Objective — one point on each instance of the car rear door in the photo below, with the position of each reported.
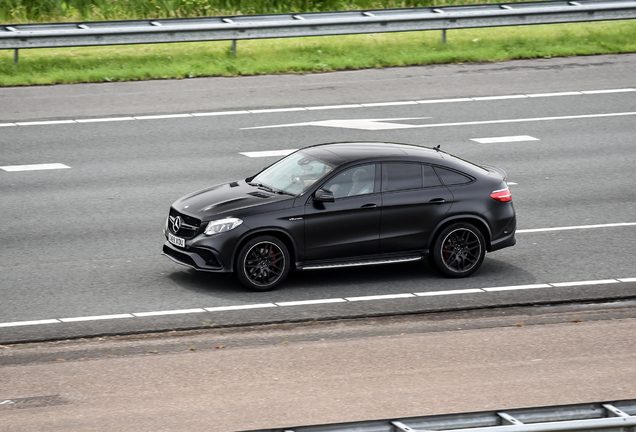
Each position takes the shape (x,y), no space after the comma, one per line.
(413,202)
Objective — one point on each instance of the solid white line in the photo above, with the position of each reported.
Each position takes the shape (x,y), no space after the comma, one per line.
(37,167)
(628,280)
(383,104)
(593,92)
(579,283)
(536,95)
(438,293)
(434,101)
(268,153)
(40,123)
(7,124)
(25,323)
(380,297)
(169,312)
(96,318)
(220,113)
(240,307)
(506,139)
(517,287)
(311,302)
(163,116)
(612,225)
(328,107)
(107,119)
(487,98)
(276,110)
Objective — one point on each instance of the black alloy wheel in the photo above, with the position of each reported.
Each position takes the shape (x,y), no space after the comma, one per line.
(262,263)
(459,250)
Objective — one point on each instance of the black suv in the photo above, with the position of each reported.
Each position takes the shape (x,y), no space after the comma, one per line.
(345,204)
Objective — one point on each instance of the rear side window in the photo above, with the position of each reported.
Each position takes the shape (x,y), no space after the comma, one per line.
(450,177)
(403,176)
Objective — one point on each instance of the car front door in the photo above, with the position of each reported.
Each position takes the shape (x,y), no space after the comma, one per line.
(349,226)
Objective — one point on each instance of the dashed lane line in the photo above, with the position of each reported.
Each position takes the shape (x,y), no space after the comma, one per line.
(488,290)
(316,108)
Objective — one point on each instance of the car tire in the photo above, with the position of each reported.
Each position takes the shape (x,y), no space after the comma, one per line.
(262,263)
(459,250)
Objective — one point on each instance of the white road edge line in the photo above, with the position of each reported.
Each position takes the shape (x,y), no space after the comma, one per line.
(326,107)
(36,167)
(612,225)
(321,301)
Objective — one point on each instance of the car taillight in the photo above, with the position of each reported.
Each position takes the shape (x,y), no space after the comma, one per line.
(502,195)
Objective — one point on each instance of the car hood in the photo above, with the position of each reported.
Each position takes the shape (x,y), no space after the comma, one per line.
(234,199)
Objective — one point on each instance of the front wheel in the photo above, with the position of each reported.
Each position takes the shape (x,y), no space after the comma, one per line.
(459,250)
(262,263)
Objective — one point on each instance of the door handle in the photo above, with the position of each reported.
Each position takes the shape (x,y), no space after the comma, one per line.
(437,201)
(369,206)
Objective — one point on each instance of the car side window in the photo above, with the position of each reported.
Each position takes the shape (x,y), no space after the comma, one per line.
(401,176)
(354,181)
(450,177)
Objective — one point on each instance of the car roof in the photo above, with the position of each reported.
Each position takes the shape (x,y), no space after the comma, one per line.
(345,152)
(351,151)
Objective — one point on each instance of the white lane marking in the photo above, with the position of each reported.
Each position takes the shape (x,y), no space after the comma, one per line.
(506,139)
(311,302)
(168,312)
(490,290)
(268,153)
(370,124)
(97,318)
(379,297)
(220,113)
(37,167)
(44,123)
(517,287)
(612,225)
(582,283)
(108,119)
(327,107)
(27,323)
(536,95)
(163,116)
(439,293)
(240,307)
(593,92)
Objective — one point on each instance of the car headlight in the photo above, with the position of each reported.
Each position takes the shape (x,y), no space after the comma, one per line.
(222,225)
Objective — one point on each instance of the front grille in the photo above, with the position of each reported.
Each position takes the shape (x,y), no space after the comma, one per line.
(188,226)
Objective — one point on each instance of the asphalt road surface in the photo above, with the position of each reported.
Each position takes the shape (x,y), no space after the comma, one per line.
(88,172)
(281,376)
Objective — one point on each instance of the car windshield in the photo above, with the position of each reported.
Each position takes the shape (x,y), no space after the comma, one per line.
(293,174)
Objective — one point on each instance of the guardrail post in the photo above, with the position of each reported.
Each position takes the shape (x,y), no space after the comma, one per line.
(234,48)
(444,36)
(15,56)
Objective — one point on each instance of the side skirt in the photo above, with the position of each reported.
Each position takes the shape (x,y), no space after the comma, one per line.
(359,261)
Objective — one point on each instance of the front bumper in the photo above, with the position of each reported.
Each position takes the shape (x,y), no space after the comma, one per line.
(197,258)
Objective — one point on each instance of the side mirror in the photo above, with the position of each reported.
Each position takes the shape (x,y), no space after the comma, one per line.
(324,195)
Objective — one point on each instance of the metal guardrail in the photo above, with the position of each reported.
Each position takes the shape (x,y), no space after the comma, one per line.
(618,416)
(24,36)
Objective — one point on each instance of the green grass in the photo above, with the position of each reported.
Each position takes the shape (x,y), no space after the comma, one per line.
(308,55)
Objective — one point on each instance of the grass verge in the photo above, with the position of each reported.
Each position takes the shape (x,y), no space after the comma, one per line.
(309,55)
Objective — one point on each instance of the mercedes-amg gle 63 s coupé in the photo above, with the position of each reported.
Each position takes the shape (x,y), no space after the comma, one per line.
(345,204)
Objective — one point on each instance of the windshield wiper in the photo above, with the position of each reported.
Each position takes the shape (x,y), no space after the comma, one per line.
(271,189)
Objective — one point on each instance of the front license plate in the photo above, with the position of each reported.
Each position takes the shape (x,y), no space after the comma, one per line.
(177,241)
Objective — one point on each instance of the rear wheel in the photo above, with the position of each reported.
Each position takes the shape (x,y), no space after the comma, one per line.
(459,250)
(262,263)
